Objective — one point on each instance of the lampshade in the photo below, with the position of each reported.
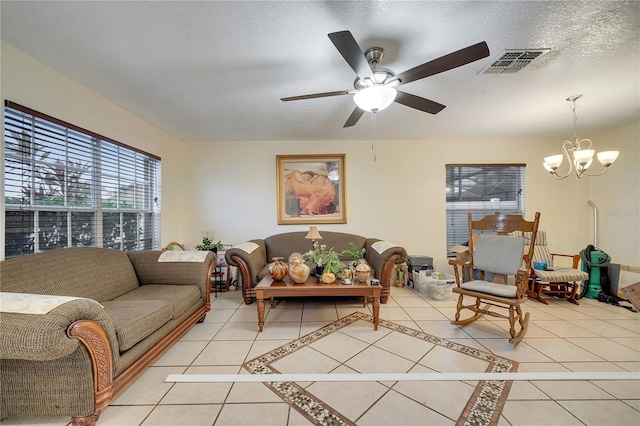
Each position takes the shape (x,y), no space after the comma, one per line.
(313,233)
(608,157)
(583,156)
(375,98)
(553,161)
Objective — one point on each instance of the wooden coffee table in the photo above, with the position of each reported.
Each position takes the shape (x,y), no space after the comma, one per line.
(267,288)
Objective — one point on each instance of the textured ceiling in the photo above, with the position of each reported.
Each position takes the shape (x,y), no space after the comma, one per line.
(217,70)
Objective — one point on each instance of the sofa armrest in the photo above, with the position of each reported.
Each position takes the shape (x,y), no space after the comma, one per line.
(150,271)
(43,337)
(382,257)
(249,257)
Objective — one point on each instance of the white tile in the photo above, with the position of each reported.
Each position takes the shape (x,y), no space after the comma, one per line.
(603,412)
(606,348)
(376,360)
(223,353)
(396,409)
(561,350)
(305,360)
(238,331)
(442,329)
(120,415)
(267,414)
(523,390)
(621,389)
(425,314)
(279,330)
(521,352)
(181,353)
(351,399)
(446,360)
(149,387)
(607,328)
(339,346)
(283,315)
(180,415)
(205,331)
(404,345)
(570,389)
(534,413)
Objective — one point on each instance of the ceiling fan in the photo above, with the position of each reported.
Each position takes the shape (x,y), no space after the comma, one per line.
(375,87)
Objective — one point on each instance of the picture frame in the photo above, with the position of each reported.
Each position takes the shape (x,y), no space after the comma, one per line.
(311,189)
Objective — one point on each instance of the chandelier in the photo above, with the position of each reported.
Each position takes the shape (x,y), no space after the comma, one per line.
(582,153)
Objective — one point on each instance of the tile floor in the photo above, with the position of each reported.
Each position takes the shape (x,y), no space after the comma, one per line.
(562,337)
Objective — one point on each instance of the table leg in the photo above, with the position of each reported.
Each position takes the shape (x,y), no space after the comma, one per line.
(260,313)
(376,312)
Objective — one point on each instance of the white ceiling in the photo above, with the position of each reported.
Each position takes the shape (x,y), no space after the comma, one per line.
(216,70)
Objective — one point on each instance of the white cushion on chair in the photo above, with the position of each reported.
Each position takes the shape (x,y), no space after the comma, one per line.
(502,290)
(499,254)
(561,275)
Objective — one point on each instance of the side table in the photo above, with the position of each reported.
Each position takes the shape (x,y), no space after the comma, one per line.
(220,277)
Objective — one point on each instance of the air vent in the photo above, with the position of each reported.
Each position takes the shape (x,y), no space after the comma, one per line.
(513,60)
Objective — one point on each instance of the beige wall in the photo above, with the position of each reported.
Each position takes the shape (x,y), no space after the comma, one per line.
(229,187)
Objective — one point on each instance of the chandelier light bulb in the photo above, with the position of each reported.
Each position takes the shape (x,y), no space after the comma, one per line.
(608,157)
(553,161)
(583,156)
(375,98)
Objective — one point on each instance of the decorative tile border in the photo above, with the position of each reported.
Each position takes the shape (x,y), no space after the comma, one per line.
(483,408)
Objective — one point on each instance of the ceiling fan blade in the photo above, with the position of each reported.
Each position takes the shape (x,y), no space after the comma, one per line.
(445,63)
(419,103)
(316,95)
(354,117)
(351,52)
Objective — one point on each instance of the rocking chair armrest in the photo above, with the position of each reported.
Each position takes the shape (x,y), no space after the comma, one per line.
(457,265)
(575,258)
(522,281)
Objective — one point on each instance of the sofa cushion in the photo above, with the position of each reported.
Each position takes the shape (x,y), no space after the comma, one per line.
(134,320)
(94,273)
(180,297)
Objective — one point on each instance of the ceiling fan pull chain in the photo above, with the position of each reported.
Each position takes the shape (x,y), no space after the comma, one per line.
(373,135)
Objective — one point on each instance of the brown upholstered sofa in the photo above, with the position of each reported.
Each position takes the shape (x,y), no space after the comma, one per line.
(75,358)
(253,257)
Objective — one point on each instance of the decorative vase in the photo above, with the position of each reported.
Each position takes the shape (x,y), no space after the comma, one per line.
(328,278)
(278,269)
(299,271)
(362,272)
(318,270)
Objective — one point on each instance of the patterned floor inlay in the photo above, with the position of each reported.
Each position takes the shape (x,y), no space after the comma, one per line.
(483,408)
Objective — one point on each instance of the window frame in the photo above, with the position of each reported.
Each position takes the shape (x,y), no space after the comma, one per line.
(66,153)
(456,215)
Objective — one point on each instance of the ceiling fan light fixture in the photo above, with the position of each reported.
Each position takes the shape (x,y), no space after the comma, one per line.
(375,98)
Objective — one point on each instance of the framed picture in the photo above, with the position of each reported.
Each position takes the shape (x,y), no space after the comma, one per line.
(311,189)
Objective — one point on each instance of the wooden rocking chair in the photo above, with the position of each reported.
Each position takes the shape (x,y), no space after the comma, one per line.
(495,257)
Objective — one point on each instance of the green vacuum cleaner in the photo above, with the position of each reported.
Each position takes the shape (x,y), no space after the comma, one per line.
(593,261)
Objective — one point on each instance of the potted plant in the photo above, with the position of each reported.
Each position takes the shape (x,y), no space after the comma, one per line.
(354,253)
(332,266)
(208,244)
(361,269)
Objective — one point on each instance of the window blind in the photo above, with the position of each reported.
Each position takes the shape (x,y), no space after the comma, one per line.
(482,190)
(66,186)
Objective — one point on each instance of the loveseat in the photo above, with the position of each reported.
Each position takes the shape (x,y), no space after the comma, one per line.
(252,258)
(126,309)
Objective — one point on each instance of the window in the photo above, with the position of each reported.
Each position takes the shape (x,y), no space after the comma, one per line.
(68,187)
(481,190)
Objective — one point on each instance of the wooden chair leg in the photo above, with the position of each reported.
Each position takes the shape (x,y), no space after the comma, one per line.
(524,324)
(469,320)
